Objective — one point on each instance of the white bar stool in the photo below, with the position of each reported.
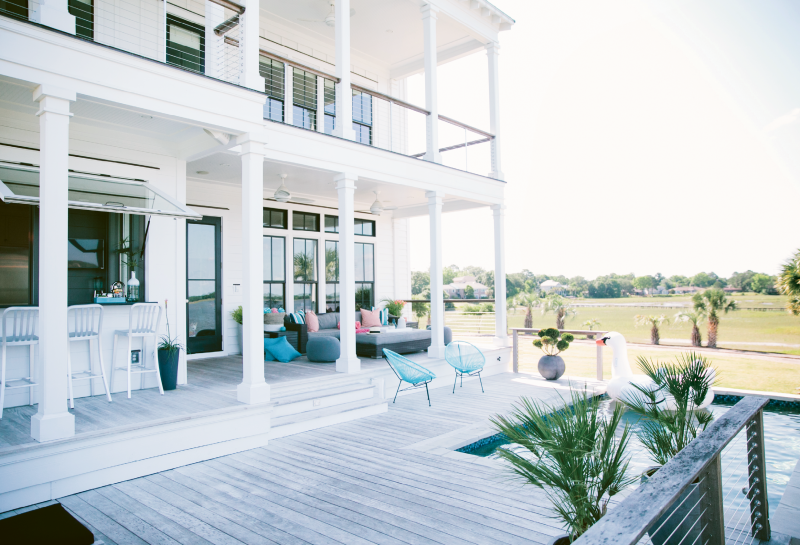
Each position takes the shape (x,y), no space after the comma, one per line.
(87,324)
(21,332)
(143,323)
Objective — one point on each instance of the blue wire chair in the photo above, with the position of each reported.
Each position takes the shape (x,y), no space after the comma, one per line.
(466,359)
(408,371)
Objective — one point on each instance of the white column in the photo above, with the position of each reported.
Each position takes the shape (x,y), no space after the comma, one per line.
(180,270)
(436,349)
(289,279)
(493,52)
(253,388)
(344,93)
(429,15)
(249,46)
(347,362)
(321,267)
(55,14)
(53,420)
(501,319)
(288,94)
(215,14)
(320,104)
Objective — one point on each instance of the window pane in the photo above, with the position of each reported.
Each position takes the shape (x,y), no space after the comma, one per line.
(362,108)
(369,262)
(358,227)
(311,223)
(359,250)
(305,297)
(201,252)
(302,117)
(304,89)
(202,307)
(273,296)
(367,228)
(278,259)
(273,110)
(331,261)
(332,297)
(273,73)
(182,36)
(330,97)
(330,124)
(331,224)
(305,260)
(15,253)
(364,296)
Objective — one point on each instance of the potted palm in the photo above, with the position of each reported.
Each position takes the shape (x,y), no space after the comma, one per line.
(665,432)
(169,353)
(552,342)
(575,454)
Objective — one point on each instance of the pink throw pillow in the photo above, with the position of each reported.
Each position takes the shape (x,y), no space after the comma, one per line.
(370,318)
(312,321)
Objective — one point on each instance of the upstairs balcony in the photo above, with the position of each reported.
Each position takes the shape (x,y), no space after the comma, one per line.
(299,62)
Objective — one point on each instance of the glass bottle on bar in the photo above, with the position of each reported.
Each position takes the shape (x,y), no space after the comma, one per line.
(133,288)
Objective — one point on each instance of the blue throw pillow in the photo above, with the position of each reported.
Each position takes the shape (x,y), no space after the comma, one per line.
(267,354)
(281,349)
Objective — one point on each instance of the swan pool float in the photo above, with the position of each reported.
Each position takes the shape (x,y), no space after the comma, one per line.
(621,386)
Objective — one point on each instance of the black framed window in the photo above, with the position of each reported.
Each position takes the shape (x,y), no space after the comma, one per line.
(362,117)
(331,224)
(204,285)
(274,74)
(18,252)
(186,44)
(365,227)
(304,221)
(83,10)
(275,218)
(365,275)
(332,276)
(305,274)
(304,91)
(14,8)
(274,272)
(329,93)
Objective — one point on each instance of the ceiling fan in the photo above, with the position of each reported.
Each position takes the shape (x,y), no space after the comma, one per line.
(329,19)
(377,207)
(282,194)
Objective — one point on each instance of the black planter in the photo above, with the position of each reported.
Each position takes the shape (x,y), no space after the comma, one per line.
(168,368)
(560,540)
(552,367)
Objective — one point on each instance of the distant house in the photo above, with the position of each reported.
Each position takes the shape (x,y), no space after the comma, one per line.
(681,290)
(551,286)
(456,289)
(731,289)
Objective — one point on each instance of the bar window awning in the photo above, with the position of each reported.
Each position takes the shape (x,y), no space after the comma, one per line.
(20,185)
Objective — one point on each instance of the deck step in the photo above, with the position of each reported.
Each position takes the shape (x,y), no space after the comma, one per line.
(291,424)
(319,399)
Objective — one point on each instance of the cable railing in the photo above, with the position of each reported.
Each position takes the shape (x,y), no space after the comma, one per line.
(712,492)
(395,125)
(464,147)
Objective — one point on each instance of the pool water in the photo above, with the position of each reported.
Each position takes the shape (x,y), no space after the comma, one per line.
(782,430)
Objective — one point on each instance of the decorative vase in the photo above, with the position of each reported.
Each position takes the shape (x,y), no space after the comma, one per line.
(552,367)
(680,519)
(168,368)
(401,323)
(133,288)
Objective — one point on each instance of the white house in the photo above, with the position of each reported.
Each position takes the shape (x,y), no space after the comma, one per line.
(457,288)
(216,142)
(551,286)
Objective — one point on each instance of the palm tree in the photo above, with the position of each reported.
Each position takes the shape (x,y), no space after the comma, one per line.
(712,303)
(654,322)
(558,305)
(788,283)
(591,324)
(528,301)
(694,318)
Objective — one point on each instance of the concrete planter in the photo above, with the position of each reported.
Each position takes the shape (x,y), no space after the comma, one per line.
(552,367)
(681,519)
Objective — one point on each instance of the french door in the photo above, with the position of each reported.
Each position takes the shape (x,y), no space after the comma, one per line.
(204,285)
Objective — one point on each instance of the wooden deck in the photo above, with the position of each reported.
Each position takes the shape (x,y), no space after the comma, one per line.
(211,385)
(391,478)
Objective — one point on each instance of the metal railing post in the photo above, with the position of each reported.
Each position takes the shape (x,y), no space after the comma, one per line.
(757,470)
(516,351)
(713,519)
(599,362)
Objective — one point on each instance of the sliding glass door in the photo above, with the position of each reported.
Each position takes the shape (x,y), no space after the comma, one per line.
(204,285)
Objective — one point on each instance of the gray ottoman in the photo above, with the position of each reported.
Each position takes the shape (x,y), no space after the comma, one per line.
(321,349)
(448,334)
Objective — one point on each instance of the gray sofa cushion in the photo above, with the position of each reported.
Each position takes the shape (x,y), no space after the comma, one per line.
(328,320)
(387,339)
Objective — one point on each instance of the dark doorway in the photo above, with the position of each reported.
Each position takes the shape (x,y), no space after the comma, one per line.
(204,285)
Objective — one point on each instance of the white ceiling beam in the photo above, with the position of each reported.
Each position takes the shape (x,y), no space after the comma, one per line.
(444,56)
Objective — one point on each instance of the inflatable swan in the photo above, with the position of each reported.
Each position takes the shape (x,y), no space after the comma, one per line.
(620,387)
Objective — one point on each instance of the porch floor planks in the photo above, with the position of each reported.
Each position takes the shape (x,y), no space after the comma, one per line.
(356,482)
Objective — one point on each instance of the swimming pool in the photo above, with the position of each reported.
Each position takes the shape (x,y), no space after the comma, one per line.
(781,427)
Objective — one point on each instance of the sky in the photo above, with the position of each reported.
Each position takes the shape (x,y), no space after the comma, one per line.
(637,136)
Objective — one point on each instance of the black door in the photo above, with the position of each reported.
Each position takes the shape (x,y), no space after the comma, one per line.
(204,285)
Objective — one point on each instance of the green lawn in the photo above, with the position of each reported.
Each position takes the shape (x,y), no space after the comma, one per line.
(741,329)
(735,371)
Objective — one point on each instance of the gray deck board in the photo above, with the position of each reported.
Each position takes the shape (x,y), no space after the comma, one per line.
(353,483)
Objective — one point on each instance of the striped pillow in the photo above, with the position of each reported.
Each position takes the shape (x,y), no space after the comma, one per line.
(384,316)
(297,317)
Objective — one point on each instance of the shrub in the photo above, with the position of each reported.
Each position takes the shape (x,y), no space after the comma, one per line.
(552,342)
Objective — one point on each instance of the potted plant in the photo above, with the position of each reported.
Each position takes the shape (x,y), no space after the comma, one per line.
(552,342)
(169,352)
(577,455)
(395,307)
(665,432)
(238,318)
